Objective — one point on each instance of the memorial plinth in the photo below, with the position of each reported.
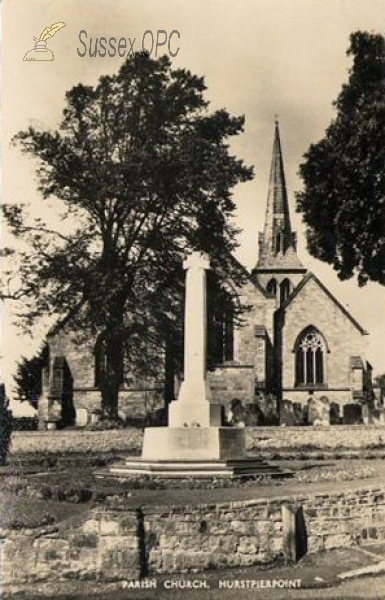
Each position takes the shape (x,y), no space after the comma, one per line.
(181,443)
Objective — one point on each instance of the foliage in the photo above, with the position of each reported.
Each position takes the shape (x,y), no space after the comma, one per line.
(142,171)
(28,376)
(380,380)
(5,425)
(343,198)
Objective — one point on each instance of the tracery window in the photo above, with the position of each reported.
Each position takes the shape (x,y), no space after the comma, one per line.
(310,358)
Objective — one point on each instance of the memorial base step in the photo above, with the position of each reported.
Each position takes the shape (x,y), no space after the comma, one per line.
(246,467)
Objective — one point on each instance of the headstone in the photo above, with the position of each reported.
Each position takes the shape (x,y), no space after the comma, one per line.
(286,413)
(352,414)
(81,417)
(319,411)
(236,415)
(95,416)
(366,417)
(291,413)
(335,414)
(372,416)
(267,404)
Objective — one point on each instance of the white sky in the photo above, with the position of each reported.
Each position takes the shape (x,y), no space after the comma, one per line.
(259,58)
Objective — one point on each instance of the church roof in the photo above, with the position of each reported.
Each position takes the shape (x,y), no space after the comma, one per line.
(310,276)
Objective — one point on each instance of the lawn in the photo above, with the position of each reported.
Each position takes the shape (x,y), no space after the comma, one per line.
(50,476)
(33,495)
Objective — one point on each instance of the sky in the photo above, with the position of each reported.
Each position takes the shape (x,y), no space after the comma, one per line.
(260,58)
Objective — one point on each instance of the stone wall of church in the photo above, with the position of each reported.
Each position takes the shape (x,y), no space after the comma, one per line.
(136,401)
(230,382)
(293,278)
(312,306)
(79,357)
(248,351)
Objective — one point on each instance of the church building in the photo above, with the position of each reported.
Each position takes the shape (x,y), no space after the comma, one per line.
(298,348)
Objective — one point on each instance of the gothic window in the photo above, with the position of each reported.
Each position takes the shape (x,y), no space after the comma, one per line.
(101,364)
(310,358)
(284,290)
(57,375)
(221,346)
(229,335)
(271,287)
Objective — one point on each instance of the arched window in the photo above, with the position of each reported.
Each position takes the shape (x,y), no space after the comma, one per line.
(101,364)
(284,290)
(310,358)
(271,287)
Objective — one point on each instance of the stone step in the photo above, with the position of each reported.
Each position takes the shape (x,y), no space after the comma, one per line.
(248,467)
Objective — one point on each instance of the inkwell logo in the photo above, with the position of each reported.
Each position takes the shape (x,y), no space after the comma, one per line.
(40,51)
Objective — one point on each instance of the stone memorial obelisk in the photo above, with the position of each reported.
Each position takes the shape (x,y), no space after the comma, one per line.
(194,444)
(194,422)
(193,407)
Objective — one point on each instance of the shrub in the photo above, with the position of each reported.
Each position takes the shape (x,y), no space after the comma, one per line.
(5,425)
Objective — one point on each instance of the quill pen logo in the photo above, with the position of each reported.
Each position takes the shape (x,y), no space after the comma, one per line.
(40,51)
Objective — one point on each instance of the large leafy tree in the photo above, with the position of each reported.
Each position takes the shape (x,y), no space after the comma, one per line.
(343,199)
(143,172)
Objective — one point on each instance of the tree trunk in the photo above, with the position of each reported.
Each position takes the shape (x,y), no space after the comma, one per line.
(113,375)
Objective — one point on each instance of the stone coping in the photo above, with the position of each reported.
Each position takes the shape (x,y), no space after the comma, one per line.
(305,492)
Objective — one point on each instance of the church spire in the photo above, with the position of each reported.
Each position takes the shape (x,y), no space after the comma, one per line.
(277,243)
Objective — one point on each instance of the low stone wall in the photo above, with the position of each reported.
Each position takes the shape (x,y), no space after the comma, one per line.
(76,441)
(123,544)
(182,539)
(104,547)
(331,437)
(358,437)
(344,519)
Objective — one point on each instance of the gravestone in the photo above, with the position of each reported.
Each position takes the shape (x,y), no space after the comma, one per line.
(335,414)
(291,413)
(81,417)
(352,414)
(319,411)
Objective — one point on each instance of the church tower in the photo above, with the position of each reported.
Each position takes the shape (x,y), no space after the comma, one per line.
(278,269)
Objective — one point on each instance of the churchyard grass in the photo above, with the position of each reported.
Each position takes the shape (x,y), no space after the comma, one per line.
(50,476)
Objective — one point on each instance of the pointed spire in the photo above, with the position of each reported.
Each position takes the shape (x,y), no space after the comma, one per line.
(277,204)
(277,243)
